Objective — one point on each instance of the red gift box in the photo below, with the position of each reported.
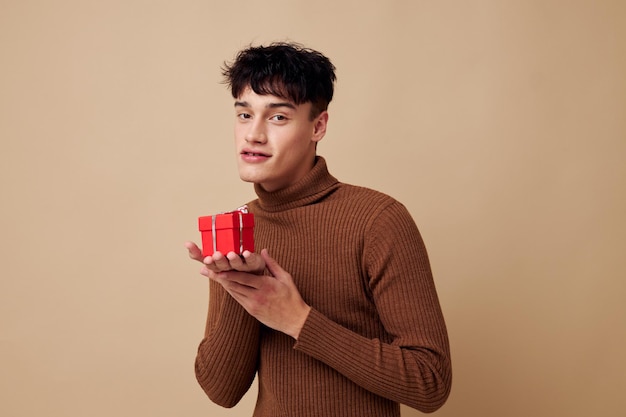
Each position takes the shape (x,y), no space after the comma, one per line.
(227,232)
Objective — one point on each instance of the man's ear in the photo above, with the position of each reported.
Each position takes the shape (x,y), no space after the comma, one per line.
(319,127)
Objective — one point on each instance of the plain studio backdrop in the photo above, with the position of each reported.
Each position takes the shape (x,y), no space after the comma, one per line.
(501,125)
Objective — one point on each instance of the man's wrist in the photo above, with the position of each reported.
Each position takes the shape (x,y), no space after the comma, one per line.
(298,327)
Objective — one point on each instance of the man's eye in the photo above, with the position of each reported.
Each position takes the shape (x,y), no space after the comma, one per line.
(279,117)
(243,116)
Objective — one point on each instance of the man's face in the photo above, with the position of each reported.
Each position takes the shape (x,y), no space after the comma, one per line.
(275,139)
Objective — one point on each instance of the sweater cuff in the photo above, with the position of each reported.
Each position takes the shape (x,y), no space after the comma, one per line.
(319,336)
(308,330)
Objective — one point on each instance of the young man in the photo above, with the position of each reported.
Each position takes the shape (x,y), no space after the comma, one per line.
(342,319)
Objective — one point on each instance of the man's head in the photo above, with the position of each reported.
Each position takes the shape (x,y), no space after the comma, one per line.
(285,70)
(281,94)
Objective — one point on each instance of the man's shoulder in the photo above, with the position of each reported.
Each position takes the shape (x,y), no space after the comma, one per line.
(364,194)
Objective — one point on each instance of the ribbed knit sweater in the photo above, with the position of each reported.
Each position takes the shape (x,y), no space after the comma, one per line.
(375,336)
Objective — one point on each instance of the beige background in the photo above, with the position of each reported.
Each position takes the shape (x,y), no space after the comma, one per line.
(500,124)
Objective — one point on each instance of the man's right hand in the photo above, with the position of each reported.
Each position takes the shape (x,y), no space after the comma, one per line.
(248,262)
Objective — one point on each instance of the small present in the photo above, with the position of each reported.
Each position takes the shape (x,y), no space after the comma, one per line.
(227,232)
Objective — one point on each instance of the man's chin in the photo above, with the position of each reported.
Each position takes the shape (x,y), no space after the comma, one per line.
(248,177)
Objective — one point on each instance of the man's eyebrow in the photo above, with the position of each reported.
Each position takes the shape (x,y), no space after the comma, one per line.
(281,104)
(269,106)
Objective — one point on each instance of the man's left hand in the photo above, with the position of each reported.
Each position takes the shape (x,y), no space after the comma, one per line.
(272,299)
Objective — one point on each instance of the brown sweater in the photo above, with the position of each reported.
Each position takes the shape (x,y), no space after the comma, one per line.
(375,336)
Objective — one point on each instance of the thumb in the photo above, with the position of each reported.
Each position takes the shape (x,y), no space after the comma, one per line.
(194,251)
(271,265)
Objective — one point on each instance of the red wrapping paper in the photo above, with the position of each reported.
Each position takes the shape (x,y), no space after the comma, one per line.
(227,232)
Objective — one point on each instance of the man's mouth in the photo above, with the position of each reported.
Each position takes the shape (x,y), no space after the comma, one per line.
(246,152)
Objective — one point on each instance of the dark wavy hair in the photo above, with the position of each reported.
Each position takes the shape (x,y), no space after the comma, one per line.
(286,70)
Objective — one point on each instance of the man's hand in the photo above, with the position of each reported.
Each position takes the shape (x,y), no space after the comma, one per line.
(248,262)
(272,299)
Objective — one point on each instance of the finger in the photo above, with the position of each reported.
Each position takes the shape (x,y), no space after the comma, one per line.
(244,279)
(194,251)
(235,261)
(218,276)
(221,262)
(205,271)
(209,264)
(275,269)
(234,285)
(254,262)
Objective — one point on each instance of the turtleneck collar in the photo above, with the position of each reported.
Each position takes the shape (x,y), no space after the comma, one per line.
(315,185)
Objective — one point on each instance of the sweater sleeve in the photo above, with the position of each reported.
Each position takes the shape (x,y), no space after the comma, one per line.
(226,362)
(414,368)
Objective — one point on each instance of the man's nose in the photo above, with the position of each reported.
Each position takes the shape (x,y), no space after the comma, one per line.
(257,132)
